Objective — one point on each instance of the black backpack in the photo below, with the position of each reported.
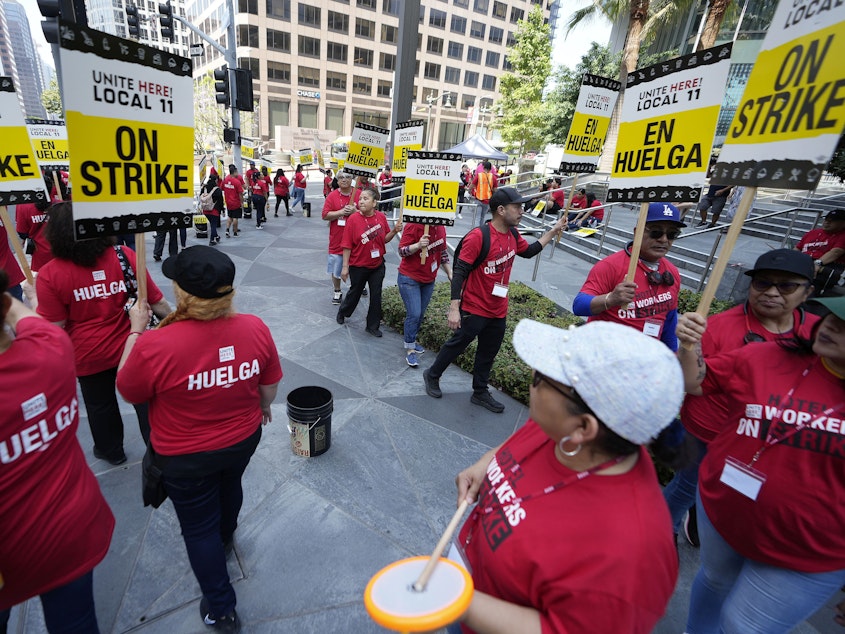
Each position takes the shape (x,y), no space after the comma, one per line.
(485,244)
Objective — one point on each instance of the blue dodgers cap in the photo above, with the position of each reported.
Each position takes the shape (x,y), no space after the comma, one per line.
(632,382)
(664,212)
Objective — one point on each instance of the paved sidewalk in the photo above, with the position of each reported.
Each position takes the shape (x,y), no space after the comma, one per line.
(314,530)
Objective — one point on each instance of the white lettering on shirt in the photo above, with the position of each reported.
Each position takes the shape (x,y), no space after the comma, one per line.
(37,437)
(365,237)
(504,493)
(99,291)
(34,406)
(224,376)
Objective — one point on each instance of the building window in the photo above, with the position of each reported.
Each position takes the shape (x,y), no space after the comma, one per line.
(386,61)
(455,51)
(336,52)
(309,16)
(511,41)
(492,59)
(477,29)
(488,83)
(248,35)
(390,7)
(506,64)
(461,3)
(432,71)
(381,119)
(362,85)
(500,10)
(389,34)
(307,115)
(278,9)
(278,41)
(278,113)
(437,19)
(365,28)
(338,22)
(470,79)
(517,15)
(459,25)
(452,75)
(279,72)
(384,88)
(308,76)
(309,46)
(252,64)
(481,6)
(474,55)
(422,14)
(496,35)
(248,6)
(372,5)
(335,81)
(334,119)
(363,57)
(468,102)
(434,45)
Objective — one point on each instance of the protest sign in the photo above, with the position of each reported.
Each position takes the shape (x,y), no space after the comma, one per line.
(431,188)
(306,157)
(666,128)
(129,112)
(20,178)
(366,150)
(792,112)
(409,135)
(590,122)
(49,140)
(318,153)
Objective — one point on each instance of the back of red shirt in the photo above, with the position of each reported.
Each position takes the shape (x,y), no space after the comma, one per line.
(7,259)
(33,223)
(233,189)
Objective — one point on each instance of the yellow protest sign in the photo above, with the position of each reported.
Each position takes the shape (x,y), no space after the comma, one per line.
(318,152)
(20,178)
(129,113)
(431,188)
(792,112)
(409,135)
(590,122)
(366,150)
(49,140)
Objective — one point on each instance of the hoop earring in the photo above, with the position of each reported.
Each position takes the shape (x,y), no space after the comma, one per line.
(565,440)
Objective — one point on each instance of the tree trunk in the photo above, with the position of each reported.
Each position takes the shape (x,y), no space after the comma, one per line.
(715,15)
(636,21)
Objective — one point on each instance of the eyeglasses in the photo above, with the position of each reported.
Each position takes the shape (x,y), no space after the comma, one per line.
(572,395)
(656,234)
(658,279)
(784,288)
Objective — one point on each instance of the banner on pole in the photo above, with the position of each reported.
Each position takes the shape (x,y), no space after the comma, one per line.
(409,135)
(666,129)
(366,150)
(306,157)
(792,112)
(49,140)
(318,153)
(20,178)
(590,122)
(431,188)
(130,123)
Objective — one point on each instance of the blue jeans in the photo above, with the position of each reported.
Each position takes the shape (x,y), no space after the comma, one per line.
(213,226)
(68,609)
(298,196)
(483,210)
(680,492)
(416,297)
(732,594)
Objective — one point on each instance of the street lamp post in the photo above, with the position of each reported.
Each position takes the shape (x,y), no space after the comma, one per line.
(431,100)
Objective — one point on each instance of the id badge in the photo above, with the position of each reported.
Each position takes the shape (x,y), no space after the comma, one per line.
(742,478)
(651,328)
(375,253)
(433,266)
(500,290)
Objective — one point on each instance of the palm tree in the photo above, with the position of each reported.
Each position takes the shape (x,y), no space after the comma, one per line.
(716,11)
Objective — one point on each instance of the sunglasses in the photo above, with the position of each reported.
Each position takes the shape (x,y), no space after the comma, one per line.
(571,395)
(656,234)
(753,337)
(658,279)
(784,288)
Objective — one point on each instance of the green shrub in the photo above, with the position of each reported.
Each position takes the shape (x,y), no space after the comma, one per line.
(688,302)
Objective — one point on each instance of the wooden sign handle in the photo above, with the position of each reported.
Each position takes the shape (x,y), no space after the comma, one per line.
(638,241)
(141,264)
(424,250)
(16,244)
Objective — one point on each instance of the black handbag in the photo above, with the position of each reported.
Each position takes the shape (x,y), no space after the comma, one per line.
(152,484)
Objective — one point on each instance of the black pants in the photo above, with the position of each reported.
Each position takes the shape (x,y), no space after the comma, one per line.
(490,332)
(98,392)
(172,247)
(358,277)
(259,203)
(287,203)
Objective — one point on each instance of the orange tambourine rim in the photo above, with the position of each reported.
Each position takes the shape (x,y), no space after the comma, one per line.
(427,622)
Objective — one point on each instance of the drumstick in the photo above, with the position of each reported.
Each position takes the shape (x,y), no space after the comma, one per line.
(419,584)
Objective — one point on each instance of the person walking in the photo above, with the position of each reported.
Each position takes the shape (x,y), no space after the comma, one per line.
(339,205)
(281,189)
(210,376)
(416,278)
(233,191)
(300,182)
(479,305)
(364,238)
(483,185)
(213,204)
(259,199)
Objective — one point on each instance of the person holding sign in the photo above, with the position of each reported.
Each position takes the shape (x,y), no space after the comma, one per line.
(233,191)
(339,205)
(300,182)
(772,481)
(260,191)
(281,188)
(650,302)
(570,533)
(364,237)
(480,293)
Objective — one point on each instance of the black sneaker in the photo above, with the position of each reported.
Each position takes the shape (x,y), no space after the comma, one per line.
(157,258)
(375,332)
(116,459)
(691,528)
(340,318)
(364,293)
(432,385)
(701,224)
(487,401)
(336,297)
(228,623)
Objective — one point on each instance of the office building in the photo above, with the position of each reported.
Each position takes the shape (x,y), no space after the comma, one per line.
(110,16)
(20,58)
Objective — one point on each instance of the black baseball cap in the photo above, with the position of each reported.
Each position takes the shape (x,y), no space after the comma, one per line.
(786,261)
(201,271)
(835,214)
(509,195)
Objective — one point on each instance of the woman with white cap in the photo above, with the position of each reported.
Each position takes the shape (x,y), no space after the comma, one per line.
(570,533)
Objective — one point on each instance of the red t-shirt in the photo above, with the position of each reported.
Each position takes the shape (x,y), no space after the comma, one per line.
(201,381)
(365,237)
(7,260)
(56,524)
(598,214)
(817,242)
(248,174)
(281,186)
(477,297)
(704,416)
(412,265)
(647,313)
(594,556)
(336,201)
(34,224)
(299,180)
(796,521)
(259,188)
(233,189)
(90,301)
(579,201)
(559,196)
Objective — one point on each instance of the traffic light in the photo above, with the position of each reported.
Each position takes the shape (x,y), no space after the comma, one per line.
(165,12)
(132,20)
(221,85)
(51,10)
(243,90)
